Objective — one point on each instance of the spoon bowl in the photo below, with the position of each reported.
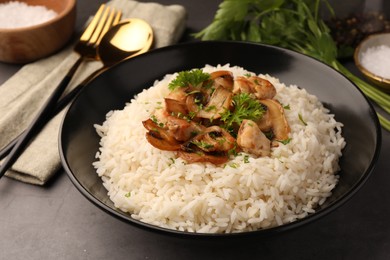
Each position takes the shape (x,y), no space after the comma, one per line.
(124,41)
(127,39)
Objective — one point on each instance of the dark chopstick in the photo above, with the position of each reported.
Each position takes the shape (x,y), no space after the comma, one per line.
(50,109)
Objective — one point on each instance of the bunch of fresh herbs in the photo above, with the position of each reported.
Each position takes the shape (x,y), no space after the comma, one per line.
(292,24)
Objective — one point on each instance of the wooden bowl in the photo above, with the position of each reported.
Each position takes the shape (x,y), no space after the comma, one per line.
(27,44)
(374,40)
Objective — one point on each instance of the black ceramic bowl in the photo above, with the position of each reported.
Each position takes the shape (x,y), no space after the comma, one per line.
(111,90)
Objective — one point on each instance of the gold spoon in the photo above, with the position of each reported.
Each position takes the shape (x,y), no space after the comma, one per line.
(125,40)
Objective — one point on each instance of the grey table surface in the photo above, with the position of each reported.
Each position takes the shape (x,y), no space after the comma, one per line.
(56,222)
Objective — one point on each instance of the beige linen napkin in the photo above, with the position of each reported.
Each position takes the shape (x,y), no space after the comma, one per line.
(23,94)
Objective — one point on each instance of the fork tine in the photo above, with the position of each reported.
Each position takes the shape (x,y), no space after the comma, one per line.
(99,27)
(92,25)
(112,20)
(117,17)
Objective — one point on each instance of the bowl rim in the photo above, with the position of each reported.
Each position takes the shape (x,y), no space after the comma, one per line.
(70,6)
(363,69)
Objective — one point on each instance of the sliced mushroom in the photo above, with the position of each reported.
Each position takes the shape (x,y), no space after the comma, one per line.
(175,107)
(159,137)
(223,78)
(261,88)
(280,127)
(220,101)
(196,100)
(265,123)
(216,159)
(251,140)
(161,144)
(214,139)
(181,129)
(179,94)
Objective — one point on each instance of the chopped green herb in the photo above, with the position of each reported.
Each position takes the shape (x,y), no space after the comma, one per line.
(171,161)
(246,159)
(159,105)
(127,195)
(245,107)
(194,133)
(301,119)
(286,107)
(202,144)
(191,114)
(193,92)
(189,77)
(234,165)
(233,151)
(286,141)
(154,118)
(210,108)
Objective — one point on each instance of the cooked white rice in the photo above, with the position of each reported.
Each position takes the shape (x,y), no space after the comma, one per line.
(155,187)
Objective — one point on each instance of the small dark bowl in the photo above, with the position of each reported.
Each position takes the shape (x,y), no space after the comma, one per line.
(111,90)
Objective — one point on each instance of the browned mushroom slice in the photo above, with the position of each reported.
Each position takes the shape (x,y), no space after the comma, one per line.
(195,101)
(280,126)
(214,139)
(265,123)
(216,159)
(181,129)
(159,137)
(220,101)
(162,144)
(251,140)
(179,94)
(223,78)
(261,88)
(175,107)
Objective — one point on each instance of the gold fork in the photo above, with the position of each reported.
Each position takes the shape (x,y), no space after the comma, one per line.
(105,18)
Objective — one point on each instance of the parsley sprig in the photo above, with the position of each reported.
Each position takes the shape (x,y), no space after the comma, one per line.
(244,107)
(189,77)
(292,24)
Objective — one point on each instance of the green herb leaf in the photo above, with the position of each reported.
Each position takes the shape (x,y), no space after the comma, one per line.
(246,159)
(171,161)
(186,78)
(245,107)
(301,119)
(202,144)
(292,24)
(286,141)
(234,165)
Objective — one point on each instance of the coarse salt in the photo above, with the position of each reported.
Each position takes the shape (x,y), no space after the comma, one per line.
(16,14)
(377,60)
